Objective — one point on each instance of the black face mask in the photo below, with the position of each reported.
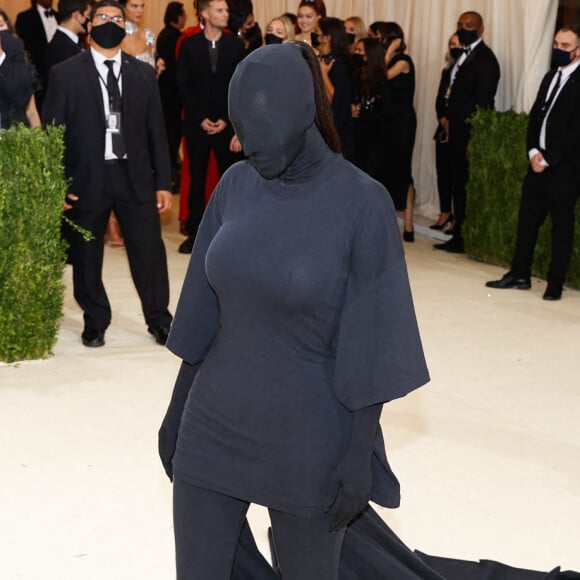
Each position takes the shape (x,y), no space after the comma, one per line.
(467,37)
(455,53)
(273,39)
(314,40)
(351,37)
(358,60)
(108,35)
(561,57)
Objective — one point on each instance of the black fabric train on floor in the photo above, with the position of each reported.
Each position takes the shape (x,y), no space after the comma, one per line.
(372,551)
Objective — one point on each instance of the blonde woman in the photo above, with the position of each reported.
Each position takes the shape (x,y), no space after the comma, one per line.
(279,30)
(355,30)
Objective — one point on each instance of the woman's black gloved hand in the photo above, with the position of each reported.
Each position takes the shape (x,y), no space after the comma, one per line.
(167,439)
(350,485)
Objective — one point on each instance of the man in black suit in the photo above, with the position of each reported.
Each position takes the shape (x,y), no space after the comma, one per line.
(66,42)
(205,66)
(552,184)
(116,157)
(36,27)
(474,79)
(174,19)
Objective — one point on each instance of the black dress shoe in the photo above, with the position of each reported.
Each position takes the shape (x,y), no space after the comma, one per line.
(553,292)
(510,281)
(93,337)
(160,333)
(454,246)
(187,246)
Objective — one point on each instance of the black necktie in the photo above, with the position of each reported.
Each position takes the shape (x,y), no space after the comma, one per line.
(552,96)
(115,107)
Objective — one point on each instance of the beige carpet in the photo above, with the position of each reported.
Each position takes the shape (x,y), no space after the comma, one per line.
(488,454)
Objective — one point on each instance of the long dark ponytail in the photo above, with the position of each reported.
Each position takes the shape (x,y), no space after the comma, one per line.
(324,119)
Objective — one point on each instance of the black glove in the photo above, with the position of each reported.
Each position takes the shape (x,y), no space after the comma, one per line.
(350,486)
(170,427)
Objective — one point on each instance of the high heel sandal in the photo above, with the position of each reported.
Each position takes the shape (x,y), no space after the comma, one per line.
(409,236)
(439,227)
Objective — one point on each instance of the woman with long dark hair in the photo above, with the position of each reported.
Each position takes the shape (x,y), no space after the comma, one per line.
(402,123)
(295,324)
(334,64)
(370,107)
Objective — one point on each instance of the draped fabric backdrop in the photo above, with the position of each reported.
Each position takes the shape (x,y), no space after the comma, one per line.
(519,31)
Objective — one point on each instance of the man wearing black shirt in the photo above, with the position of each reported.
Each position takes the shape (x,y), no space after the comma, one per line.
(205,66)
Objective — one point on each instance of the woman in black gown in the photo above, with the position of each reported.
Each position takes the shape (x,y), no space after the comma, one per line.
(402,124)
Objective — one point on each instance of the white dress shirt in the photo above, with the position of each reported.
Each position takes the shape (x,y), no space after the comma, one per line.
(74,37)
(50,24)
(566,72)
(103,72)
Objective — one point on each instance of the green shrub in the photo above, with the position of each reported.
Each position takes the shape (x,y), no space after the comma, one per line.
(32,254)
(498,164)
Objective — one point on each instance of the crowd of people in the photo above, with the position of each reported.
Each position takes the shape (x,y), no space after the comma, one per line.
(369,80)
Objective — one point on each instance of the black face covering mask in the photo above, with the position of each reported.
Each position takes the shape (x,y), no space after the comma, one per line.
(455,53)
(273,39)
(467,37)
(561,57)
(351,37)
(271,116)
(108,35)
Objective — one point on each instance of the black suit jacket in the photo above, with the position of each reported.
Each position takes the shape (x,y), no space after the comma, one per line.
(74,99)
(30,29)
(59,49)
(474,86)
(204,94)
(562,150)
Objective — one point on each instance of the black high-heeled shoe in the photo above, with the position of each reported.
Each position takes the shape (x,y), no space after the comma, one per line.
(439,227)
(409,236)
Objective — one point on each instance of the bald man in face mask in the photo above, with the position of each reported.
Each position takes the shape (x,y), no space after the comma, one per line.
(474,80)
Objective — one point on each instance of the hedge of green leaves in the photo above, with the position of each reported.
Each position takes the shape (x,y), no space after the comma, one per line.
(498,164)
(32,254)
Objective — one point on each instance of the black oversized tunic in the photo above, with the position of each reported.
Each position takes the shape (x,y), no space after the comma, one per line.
(298,303)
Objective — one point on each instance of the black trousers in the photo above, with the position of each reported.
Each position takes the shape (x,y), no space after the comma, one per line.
(145,250)
(543,194)
(444,182)
(459,165)
(199,146)
(207,527)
